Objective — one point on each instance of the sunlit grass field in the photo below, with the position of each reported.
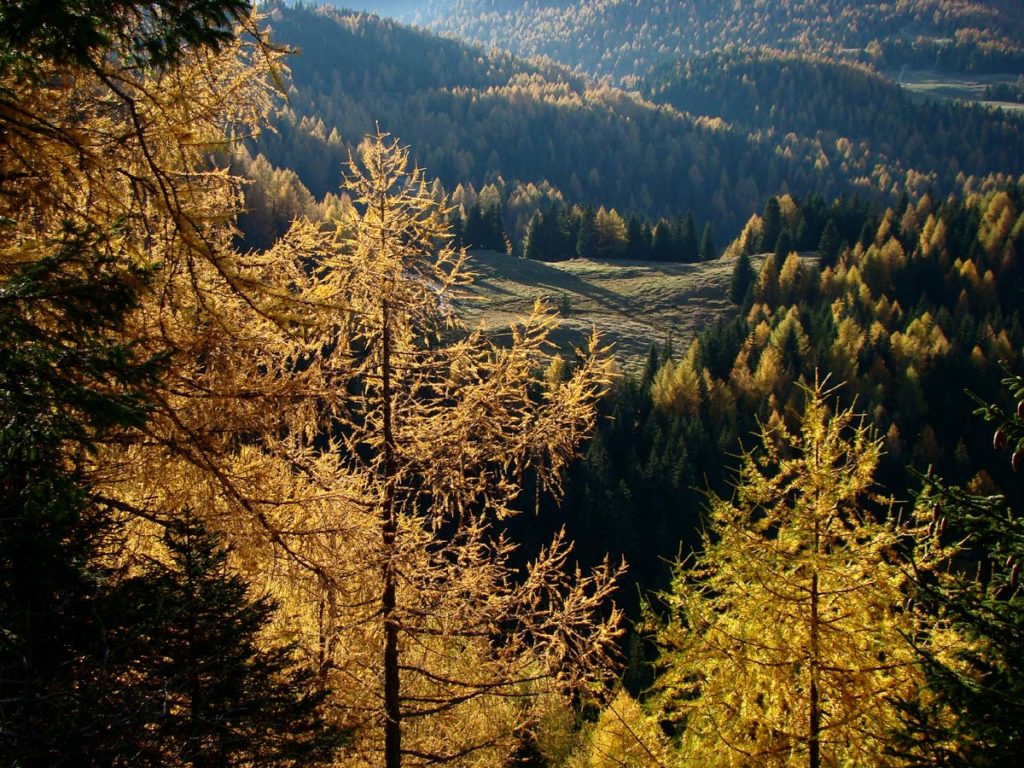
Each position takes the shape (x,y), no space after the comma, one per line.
(631,304)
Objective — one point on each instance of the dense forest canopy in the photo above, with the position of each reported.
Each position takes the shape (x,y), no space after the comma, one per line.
(715,136)
(626,38)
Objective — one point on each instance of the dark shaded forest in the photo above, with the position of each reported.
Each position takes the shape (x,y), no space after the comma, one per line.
(524,137)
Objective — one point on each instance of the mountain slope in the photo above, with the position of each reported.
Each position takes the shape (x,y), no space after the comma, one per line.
(624,38)
(852,111)
(533,133)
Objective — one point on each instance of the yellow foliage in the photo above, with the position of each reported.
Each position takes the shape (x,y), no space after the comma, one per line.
(921,342)
(760,335)
(998,217)
(740,376)
(791,279)
(439,427)
(850,340)
(778,627)
(767,290)
(322,405)
(676,386)
(758,313)
(769,373)
(624,735)
(720,398)
(788,211)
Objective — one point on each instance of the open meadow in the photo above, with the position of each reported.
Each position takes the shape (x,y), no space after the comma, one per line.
(631,304)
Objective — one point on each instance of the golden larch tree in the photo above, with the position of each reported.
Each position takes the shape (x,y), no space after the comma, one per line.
(320,406)
(439,644)
(785,642)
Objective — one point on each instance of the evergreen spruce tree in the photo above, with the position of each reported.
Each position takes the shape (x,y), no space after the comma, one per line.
(830,243)
(533,239)
(743,279)
(586,238)
(707,244)
(67,382)
(972,711)
(208,693)
(474,235)
(771,226)
(651,366)
(783,247)
(638,246)
(484,228)
(662,245)
(494,228)
(687,245)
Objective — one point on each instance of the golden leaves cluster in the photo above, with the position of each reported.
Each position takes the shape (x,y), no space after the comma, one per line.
(269,419)
(800,585)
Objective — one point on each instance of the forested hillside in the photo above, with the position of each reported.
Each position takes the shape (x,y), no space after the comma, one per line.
(488,119)
(522,137)
(857,117)
(906,307)
(625,39)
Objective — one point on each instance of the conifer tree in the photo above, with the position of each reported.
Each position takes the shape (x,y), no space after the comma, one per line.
(771,226)
(707,244)
(533,240)
(611,234)
(586,239)
(785,644)
(484,228)
(438,643)
(743,279)
(205,688)
(638,246)
(783,247)
(68,381)
(685,235)
(967,586)
(662,245)
(830,243)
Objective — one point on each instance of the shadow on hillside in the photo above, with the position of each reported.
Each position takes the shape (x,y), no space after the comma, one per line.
(488,267)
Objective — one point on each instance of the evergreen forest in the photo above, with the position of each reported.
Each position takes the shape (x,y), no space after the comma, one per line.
(291,476)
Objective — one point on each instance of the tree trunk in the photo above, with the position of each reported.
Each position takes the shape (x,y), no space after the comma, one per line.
(389,528)
(814,751)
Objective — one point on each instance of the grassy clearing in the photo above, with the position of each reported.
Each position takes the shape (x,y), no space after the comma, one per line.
(930,83)
(631,304)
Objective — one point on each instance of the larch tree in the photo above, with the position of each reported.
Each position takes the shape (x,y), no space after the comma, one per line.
(316,401)
(785,643)
(437,640)
(307,405)
(117,230)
